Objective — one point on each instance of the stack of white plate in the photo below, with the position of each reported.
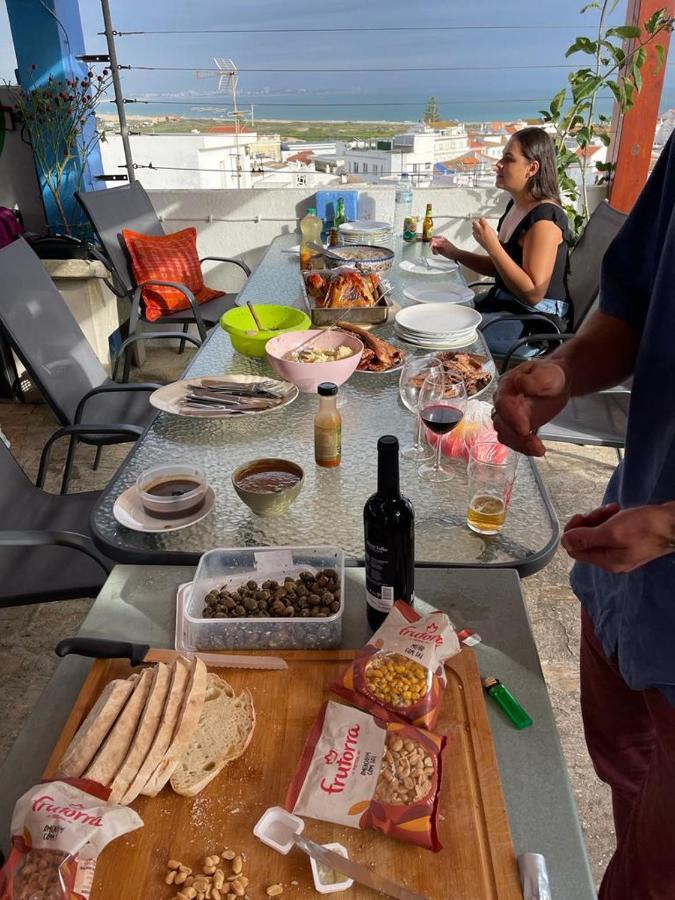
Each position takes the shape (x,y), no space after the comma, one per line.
(363,231)
(438,326)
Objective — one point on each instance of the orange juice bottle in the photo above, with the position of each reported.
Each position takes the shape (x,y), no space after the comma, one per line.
(328,428)
(311,226)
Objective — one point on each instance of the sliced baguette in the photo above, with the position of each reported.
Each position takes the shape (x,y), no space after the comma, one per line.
(145,733)
(94,730)
(180,671)
(224,732)
(188,719)
(114,749)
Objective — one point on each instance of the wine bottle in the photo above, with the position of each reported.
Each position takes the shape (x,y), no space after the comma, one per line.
(389,526)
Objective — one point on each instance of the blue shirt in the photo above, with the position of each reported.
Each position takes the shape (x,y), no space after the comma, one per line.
(634,613)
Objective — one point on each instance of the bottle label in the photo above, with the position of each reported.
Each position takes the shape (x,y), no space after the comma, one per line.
(380,591)
(327,443)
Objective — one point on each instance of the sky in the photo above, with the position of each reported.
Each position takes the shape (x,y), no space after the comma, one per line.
(468,86)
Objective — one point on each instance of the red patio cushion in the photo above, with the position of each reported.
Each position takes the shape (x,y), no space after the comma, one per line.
(171,257)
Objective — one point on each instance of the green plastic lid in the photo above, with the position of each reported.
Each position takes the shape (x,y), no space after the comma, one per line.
(311,211)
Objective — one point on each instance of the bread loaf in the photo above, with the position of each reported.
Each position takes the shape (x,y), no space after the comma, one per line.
(188,719)
(93,731)
(224,732)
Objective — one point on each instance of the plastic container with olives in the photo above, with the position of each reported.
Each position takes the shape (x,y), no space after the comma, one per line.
(288,598)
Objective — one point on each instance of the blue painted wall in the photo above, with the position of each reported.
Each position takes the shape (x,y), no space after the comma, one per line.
(47,34)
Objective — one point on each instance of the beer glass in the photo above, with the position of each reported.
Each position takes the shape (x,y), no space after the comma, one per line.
(492,470)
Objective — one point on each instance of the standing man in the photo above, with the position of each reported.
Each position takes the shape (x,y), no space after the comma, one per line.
(624,574)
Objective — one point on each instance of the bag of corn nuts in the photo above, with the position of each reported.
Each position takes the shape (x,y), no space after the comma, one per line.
(58,830)
(359,771)
(400,675)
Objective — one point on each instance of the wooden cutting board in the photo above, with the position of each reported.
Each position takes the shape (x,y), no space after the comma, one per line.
(477,861)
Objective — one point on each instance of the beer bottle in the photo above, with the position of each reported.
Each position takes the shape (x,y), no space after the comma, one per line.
(340,216)
(428,225)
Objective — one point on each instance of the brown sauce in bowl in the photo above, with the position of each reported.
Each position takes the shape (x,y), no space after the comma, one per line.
(174,487)
(268,481)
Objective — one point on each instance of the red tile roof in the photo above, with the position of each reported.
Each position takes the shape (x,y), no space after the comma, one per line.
(228,129)
(304,156)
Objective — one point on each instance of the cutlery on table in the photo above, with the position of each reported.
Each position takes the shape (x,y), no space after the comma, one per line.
(104,648)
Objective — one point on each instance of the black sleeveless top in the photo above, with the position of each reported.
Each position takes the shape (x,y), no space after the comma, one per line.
(550,212)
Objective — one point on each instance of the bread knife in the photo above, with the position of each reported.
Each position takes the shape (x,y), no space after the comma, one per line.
(359,873)
(103,648)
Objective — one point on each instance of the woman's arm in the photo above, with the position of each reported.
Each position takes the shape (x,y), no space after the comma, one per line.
(540,247)
(477,262)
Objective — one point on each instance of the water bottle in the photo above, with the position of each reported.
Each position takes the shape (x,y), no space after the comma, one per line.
(403,204)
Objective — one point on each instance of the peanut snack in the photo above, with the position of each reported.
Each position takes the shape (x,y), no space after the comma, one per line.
(399,675)
(358,771)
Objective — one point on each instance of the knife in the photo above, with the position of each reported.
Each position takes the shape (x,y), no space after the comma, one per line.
(103,648)
(359,873)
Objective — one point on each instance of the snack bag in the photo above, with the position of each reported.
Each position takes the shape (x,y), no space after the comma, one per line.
(358,771)
(400,675)
(58,830)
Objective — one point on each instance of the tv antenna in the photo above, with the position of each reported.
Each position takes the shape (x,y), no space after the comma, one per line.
(228,79)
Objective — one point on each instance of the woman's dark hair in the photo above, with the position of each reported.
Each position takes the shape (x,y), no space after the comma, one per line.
(536,145)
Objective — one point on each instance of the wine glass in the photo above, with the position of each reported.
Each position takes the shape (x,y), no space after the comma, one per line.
(442,402)
(413,375)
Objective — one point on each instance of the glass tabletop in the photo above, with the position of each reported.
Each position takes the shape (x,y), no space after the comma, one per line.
(329,509)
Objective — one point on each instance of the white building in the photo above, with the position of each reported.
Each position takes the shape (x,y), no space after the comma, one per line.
(190,161)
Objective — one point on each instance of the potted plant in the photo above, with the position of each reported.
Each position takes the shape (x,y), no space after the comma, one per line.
(57,117)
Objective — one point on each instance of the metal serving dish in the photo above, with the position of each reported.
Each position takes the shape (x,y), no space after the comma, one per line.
(367,315)
(365,257)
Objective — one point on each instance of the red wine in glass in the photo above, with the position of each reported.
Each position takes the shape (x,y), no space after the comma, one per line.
(441,417)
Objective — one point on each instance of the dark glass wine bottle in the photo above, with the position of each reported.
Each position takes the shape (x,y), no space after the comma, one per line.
(389,526)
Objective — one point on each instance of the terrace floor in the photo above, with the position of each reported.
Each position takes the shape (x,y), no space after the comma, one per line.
(575,476)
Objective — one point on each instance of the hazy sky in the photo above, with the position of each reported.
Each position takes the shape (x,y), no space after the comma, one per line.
(467,50)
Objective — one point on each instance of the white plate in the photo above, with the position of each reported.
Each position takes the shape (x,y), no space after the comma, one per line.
(450,294)
(438,318)
(435,267)
(364,226)
(169,397)
(294,250)
(439,344)
(444,335)
(129,511)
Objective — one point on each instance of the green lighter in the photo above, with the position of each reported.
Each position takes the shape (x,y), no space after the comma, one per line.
(506,702)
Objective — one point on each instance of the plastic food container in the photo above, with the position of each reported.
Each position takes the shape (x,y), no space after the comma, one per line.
(274,319)
(235,567)
(172,491)
(276,828)
(341,885)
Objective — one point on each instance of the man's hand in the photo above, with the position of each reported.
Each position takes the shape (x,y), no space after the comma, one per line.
(528,397)
(621,540)
(485,235)
(444,247)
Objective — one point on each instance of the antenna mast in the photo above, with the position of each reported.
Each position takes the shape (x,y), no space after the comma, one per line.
(228,78)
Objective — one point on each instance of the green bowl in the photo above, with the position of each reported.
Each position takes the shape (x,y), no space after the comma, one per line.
(274,319)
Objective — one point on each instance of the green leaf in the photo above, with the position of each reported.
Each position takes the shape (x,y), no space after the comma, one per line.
(582,45)
(593,5)
(640,57)
(637,79)
(660,56)
(557,103)
(626,32)
(655,21)
(605,138)
(615,88)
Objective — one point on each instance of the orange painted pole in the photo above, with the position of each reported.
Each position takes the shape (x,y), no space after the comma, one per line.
(633,138)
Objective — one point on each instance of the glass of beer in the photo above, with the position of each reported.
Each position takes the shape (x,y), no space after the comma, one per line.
(492,470)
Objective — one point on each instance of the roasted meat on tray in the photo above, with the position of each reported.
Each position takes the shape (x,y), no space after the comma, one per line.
(378,355)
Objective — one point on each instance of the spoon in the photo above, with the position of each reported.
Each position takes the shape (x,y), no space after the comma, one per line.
(250,332)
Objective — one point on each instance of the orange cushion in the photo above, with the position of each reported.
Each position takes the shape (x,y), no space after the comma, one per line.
(171,257)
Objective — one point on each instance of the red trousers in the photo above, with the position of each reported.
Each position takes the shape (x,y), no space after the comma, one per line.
(631,739)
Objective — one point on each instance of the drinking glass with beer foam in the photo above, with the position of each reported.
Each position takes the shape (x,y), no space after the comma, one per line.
(492,470)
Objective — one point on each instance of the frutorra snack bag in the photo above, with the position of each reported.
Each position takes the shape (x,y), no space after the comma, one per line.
(358,771)
(399,676)
(58,830)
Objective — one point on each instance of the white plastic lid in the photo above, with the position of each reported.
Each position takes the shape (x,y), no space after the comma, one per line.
(341,885)
(277,827)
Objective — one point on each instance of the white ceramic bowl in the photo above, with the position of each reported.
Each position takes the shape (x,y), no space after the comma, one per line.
(307,375)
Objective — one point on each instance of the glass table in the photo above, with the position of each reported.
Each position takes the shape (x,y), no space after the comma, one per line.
(329,509)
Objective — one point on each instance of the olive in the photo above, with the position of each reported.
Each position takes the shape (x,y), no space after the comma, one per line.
(322,581)
(306,576)
(335,606)
(305,612)
(273,585)
(314,600)
(280,593)
(262,595)
(229,603)
(300,590)
(324,611)
(290,611)
(239,610)
(278,608)
(251,604)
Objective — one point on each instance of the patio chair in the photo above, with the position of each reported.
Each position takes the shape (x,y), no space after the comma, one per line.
(129,206)
(43,333)
(45,549)
(583,285)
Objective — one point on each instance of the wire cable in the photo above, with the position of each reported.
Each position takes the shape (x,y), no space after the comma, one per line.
(240,69)
(246,101)
(343,29)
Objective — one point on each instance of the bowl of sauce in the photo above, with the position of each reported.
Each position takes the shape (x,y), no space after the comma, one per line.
(172,491)
(268,486)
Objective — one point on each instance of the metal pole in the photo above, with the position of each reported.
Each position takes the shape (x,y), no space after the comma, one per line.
(117,86)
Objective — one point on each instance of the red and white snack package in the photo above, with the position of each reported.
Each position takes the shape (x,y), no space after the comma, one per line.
(356,770)
(400,675)
(58,830)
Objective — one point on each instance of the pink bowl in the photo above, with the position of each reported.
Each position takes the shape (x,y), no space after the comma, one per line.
(308,376)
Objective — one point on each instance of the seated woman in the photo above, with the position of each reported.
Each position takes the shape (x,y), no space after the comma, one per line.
(527,255)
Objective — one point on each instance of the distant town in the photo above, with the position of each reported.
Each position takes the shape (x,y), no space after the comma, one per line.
(211,154)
